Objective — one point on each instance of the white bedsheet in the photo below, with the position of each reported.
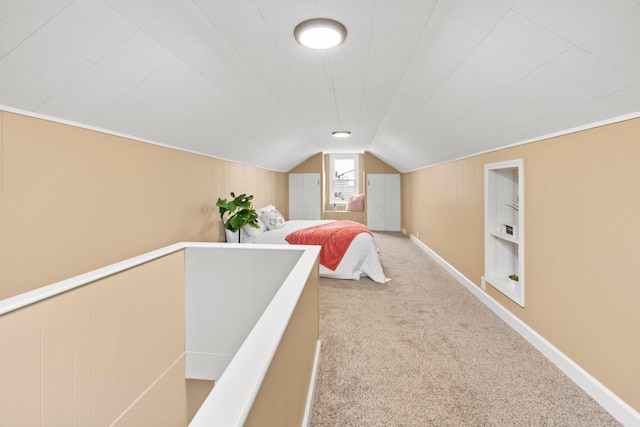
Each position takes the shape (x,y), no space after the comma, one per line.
(360,259)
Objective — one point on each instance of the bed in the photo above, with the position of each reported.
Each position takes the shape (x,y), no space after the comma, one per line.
(360,259)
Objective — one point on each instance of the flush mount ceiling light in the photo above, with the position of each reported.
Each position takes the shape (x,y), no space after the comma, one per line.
(341,134)
(320,33)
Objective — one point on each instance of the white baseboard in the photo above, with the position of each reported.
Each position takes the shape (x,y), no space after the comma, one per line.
(312,388)
(594,388)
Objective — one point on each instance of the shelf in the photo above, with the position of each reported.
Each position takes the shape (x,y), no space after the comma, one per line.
(504,286)
(504,252)
(506,237)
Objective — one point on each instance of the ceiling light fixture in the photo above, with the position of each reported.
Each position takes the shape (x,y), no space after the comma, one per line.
(320,33)
(341,134)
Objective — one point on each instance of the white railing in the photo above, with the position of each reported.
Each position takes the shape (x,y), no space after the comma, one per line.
(232,327)
(245,340)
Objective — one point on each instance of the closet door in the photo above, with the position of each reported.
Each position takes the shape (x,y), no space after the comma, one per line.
(304,196)
(383,202)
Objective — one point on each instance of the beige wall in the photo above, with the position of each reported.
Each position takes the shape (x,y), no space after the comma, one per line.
(112,350)
(72,199)
(312,165)
(581,241)
(372,164)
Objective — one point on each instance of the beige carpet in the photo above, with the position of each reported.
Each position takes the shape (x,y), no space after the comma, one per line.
(422,351)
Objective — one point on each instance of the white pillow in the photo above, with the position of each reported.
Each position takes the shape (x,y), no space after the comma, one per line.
(266,209)
(255,231)
(273,219)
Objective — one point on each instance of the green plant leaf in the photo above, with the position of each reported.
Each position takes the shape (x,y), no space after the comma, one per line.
(225,206)
(239,212)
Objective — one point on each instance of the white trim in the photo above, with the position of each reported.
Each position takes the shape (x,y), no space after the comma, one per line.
(230,401)
(355,157)
(306,421)
(593,125)
(493,197)
(14,110)
(588,126)
(594,388)
(39,294)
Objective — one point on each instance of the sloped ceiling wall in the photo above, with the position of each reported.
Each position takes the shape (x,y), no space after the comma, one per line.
(416,82)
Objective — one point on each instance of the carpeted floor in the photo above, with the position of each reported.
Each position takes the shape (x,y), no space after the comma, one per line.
(421,350)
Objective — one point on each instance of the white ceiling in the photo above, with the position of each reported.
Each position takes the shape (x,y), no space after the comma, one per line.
(417,82)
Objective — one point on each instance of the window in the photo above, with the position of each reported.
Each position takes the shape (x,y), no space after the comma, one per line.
(344,178)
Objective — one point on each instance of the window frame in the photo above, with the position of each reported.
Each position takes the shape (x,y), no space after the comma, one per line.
(356,176)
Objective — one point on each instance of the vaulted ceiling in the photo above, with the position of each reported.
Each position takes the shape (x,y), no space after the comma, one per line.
(417,82)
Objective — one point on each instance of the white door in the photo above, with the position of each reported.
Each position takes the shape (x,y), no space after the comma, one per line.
(383,202)
(304,196)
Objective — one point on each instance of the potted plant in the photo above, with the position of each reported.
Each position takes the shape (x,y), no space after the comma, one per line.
(239,212)
(513,281)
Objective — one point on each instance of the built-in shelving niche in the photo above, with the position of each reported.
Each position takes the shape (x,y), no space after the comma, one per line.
(504,228)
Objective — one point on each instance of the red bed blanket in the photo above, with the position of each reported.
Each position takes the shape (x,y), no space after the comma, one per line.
(334,237)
